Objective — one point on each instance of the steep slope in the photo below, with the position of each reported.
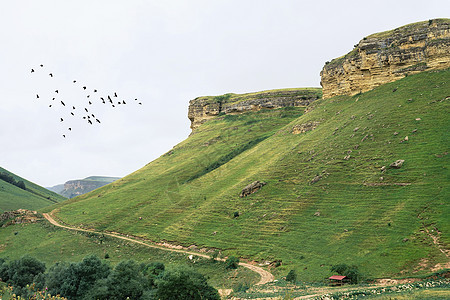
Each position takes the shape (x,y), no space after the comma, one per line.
(330,195)
(32,197)
(73,188)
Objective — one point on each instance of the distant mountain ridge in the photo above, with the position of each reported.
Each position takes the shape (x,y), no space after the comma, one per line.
(73,188)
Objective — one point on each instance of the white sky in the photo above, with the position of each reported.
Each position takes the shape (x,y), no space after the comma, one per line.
(164,53)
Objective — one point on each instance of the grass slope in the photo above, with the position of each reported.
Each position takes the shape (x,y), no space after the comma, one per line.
(34,197)
(350,215)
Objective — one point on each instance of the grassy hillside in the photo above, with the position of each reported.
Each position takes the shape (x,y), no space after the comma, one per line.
(33,197)
(327,198)
(51,244)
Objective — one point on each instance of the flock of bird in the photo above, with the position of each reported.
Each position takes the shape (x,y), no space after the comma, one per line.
(91,96)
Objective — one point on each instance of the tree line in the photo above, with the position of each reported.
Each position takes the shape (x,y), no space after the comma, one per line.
(93,278)
(10,179)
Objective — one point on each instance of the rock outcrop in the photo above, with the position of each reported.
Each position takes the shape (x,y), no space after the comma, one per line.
(20,216)
(202,109)
(73,188)
(387,56)
(252,188)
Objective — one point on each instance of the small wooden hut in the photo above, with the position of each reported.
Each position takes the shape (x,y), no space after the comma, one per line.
(338,280)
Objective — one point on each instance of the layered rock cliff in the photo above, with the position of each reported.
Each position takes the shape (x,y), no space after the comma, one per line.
(387,56)
(203,108)
(73,188)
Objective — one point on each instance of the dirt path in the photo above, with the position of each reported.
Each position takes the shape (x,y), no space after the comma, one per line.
(265,275)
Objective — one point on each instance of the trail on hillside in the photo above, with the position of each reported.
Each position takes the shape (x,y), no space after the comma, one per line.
(265,275)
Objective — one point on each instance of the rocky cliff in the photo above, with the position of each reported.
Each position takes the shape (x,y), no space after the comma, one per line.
(73,188)
(388,56)
(203,108)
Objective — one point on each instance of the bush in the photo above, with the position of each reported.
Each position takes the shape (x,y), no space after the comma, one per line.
(232,262)
(291,276)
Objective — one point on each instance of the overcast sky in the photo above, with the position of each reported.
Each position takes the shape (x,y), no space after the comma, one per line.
(164,53)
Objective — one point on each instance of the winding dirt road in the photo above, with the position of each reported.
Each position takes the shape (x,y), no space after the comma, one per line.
(265,275)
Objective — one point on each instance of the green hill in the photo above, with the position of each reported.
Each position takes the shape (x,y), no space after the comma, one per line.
(33,197)
(330,195)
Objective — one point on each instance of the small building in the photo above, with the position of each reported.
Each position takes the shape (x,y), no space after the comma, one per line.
(338,280)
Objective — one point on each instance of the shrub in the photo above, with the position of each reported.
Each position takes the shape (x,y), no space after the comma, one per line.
(232,262)
(291,276)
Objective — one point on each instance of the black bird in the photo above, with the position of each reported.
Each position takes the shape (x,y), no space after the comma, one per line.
(53,98)
(86,109)
(115,94)
(56,91)
(32,70)
(72,114)
(88,96)
(97,120)
(73,107)
(37,96)
(90,122)
(42,66)
(90,103)
(95,91)
(109,98)
(51,75)
(62,119)
(84,87)
(88,117)
(140,103)
(135,99)
(123,102)
(64,135)
(93,115)
(70,129)
(63,103)
(84,118)
(50,105)
(119,102)
(113,105)
(74,81)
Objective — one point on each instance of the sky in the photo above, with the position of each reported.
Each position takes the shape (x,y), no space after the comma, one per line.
(163,53)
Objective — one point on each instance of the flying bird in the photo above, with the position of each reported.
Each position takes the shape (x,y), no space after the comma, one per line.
(70,129)
(88,96)
(84,87)
(123,102)
(95,91)
(56,91)
(140,103)
(32,70)
(64,135)
(51,75)
(115,94)
(90,103)
(41,66)
(74,81)
(93,115)
(37,96)
(63,103)
(50,105)
(86,109)
(90,122)
(62,119)
(72,114)
(53,98)
(97,120)
(73,107)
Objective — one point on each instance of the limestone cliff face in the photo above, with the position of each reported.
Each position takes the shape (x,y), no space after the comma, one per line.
(73,188)
(387,56)
(202,109)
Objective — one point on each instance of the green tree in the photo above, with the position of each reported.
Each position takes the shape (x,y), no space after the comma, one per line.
(232,262)
(182,283)
(125,281)
(19,273)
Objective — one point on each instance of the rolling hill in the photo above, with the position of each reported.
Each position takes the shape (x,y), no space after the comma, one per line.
(32,197)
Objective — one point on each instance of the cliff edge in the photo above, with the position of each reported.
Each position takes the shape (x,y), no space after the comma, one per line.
(201,109)
(387,56)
